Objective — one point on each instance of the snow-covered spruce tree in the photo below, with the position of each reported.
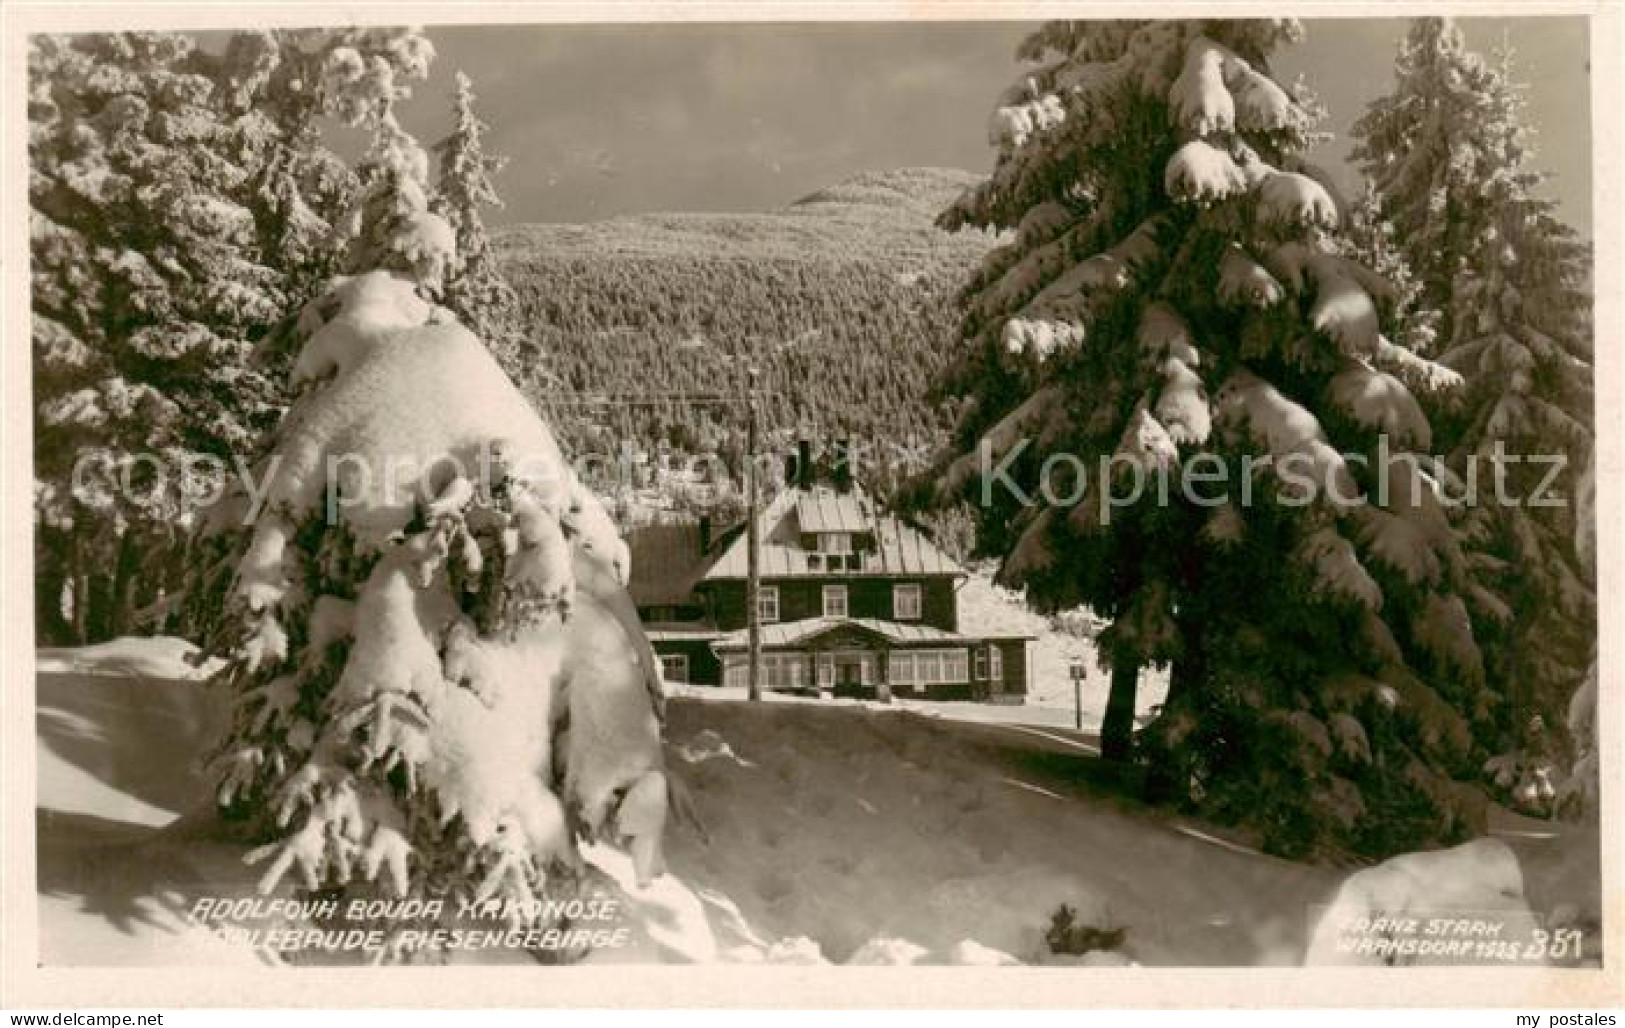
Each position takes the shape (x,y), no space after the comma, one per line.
(147,290)
(439,681)
(1449,158)
(181,201)
(300,186)
(1171,300)
(1369,238)
(476,288)
(305,77)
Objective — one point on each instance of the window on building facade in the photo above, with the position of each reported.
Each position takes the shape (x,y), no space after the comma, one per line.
(767,603)
(900,668)
(674,667)
(905,601)
(778,670)
(785,670)
(835,601)
(928,667)
(995,657)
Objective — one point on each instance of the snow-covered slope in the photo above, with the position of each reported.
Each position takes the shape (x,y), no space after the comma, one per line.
(825,833)
(848,825)
(117,764)
(883,215)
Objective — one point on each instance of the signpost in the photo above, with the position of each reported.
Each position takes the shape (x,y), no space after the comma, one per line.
(1079,673)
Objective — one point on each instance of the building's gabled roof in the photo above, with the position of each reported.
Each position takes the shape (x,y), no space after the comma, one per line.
(794,633)
(825,510)
(666,562)
(901,550)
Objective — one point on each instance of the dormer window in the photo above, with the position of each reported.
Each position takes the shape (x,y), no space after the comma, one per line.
(835,543)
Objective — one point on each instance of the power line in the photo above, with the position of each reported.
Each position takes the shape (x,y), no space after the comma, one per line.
(651,399)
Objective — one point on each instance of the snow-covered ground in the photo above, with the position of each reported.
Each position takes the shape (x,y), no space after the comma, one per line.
(953,710)
(825,832)
(120,728)
(989,609)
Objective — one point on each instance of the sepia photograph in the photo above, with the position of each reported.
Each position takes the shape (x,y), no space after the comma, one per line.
(1092,494)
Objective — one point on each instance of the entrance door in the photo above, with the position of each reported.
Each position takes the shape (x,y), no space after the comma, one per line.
(848,675)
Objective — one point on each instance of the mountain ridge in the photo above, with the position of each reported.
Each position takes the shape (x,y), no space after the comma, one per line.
(902,200)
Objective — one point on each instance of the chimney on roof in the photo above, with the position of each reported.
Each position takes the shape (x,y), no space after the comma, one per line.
(705,533)
(842,472)
(804,464)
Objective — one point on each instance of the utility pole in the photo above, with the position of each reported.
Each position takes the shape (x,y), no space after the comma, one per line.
(753,611)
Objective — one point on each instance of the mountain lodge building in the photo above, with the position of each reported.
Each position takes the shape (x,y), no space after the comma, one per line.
(854,601)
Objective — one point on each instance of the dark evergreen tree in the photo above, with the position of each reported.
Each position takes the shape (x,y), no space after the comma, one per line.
(476,288)
(1507,283)
(1172,301)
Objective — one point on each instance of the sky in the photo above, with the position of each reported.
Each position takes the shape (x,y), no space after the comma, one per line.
(604,120)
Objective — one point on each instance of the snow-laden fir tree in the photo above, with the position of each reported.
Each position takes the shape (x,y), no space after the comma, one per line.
(1171,298)
(181,204)
(439,681)
(476,289)
(1450,159)
(1370,239)
(146,287)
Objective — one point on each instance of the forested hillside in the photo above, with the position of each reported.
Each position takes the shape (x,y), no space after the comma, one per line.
(842,299)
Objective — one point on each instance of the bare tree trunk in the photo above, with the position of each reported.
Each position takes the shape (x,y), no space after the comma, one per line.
(121,594)
(1189,671)
(99,598)
(81,593)
(1117,730)
(51,577)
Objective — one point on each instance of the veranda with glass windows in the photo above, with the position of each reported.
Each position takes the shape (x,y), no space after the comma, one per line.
(915,671)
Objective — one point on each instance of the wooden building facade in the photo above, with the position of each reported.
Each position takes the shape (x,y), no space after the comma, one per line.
(854,601)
